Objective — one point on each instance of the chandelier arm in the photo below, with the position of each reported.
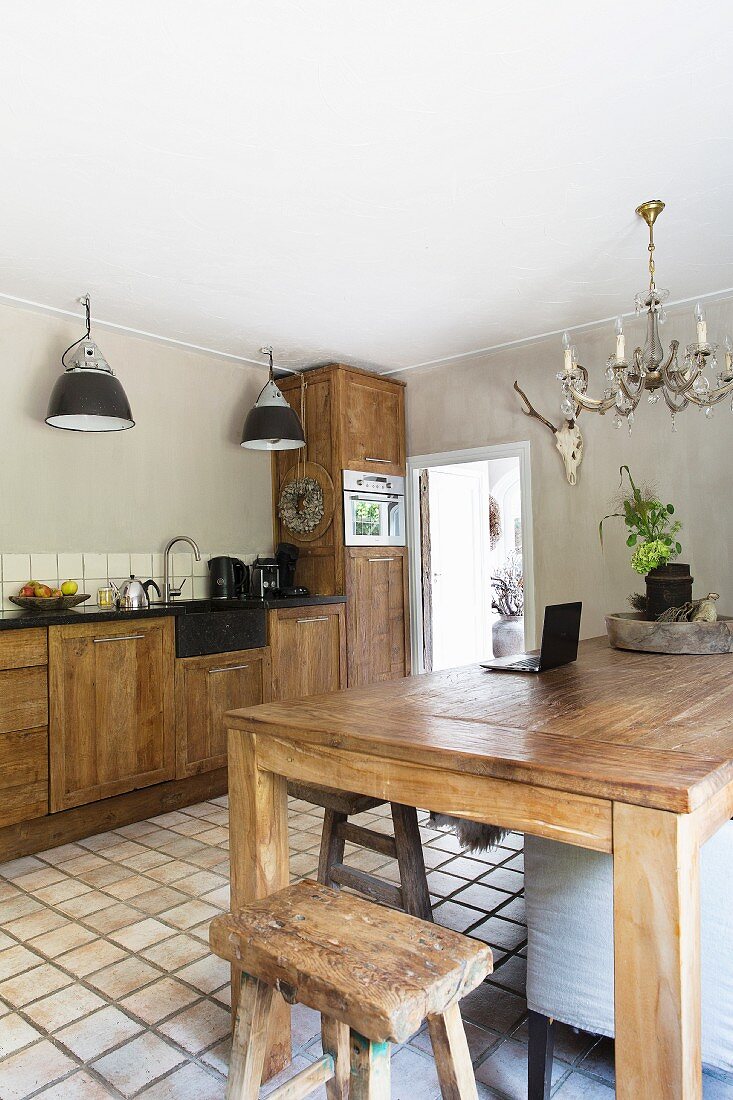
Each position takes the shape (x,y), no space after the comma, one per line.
(664,367)
(712,397)
(592,404)
(634,394)
(688,380)
(671,405)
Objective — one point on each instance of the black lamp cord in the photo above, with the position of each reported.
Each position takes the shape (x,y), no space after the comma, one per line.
(88,315)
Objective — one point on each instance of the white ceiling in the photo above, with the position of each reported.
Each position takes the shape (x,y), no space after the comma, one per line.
(385,183)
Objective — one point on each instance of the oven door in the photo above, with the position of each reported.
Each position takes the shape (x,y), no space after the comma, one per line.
(374,519)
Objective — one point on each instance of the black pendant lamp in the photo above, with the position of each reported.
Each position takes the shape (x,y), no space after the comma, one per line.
(87,397)
(272,425)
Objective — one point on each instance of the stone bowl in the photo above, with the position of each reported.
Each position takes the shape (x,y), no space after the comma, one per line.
(42,604)
(630,630)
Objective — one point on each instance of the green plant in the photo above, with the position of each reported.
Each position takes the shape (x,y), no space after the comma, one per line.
(652,530)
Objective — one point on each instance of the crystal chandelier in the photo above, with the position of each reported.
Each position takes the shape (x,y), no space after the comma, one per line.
(695,381)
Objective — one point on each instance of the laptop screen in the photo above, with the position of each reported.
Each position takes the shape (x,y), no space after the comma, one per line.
(560,634)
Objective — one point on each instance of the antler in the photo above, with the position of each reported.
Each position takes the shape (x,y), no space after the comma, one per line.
(531,411)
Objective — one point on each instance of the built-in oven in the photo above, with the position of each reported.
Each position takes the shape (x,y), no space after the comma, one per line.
(374,509)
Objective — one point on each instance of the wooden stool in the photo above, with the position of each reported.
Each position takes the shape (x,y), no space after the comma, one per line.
(405,846)
(374,975)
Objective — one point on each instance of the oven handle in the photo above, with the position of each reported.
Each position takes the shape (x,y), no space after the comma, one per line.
(380,498)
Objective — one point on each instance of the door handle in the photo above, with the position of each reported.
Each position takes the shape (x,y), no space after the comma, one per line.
(225,668)
(381,559)
(315,619)
(381,461)
(120,638)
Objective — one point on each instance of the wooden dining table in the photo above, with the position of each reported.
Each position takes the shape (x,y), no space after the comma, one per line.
(626,753)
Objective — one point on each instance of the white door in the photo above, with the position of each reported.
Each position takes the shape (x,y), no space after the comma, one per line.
(459,547)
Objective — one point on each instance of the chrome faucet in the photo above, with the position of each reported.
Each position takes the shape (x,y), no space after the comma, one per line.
(170,593)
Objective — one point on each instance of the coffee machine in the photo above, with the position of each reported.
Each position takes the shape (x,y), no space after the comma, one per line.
(228,578)
(286,557)
(264,577)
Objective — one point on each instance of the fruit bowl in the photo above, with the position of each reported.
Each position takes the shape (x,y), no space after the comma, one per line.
(48,603)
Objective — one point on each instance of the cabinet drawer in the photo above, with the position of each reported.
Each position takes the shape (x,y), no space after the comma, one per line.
(21,648)
(23,698)
(23,775)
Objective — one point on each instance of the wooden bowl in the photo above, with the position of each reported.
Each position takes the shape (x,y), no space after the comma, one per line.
(628,630)
(48,603)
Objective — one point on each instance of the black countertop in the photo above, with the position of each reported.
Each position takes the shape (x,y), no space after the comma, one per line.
(14,620)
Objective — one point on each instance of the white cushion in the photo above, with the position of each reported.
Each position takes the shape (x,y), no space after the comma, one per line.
(569,898)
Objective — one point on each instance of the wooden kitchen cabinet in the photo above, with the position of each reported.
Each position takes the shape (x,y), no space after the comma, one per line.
(308,647)
(112,712)
(206,688)
(23,725)
(378,625)
(373,424)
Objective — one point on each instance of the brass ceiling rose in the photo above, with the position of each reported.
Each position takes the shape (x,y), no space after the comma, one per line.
(650,211)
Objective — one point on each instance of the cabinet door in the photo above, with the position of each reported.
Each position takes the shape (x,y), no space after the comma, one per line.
(308,646)
(112,720)
(377,614)
(373,424)
(23,725)
(206,688)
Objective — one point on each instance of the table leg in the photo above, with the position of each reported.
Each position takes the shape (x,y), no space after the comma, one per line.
(259,860)
(656,875)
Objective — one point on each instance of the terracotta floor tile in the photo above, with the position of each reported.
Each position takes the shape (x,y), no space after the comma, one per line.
(63,1007)
(191,826)
(198,1027)
(19,906)
(146,860)
(85,904)
(137,828)
(188,914)
(208,974)
(180,847)
(83,863)
(104,876)
(220,897)
(139,1062)
(217,835)
(35,924)
(29,1069)
(128,887)
(80,1086)
(63,939)
(126,850)
(44,876)
(175,817)
(17,868)
(169,872)
(117,915)
(188,1083)
(33,984)
(7,890)
(15,960)
(161,999)
(92,956)
(64,852)
(176,952)
(209,858)
(155,900)
(201,882)
(66,888)
(123,977)
(96,1034)
(143,934)
(15,1034)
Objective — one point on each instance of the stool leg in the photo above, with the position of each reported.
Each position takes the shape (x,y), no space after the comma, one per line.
(332,847)
(335,1039)
(249,1044)
(452,1059)
(370,1070)
(540,1056)
(415,893)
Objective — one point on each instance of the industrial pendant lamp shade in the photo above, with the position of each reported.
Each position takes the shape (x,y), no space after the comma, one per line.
(272,425)
(87,397)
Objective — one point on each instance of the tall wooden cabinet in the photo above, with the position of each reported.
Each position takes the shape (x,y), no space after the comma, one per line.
(354,420)
(112,715)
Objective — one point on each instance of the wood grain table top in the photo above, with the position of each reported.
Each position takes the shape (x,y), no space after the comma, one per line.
(647,729)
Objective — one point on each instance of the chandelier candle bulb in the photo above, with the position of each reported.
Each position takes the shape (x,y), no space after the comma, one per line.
(620,341)
(728,358)
(568,352)
(702,328)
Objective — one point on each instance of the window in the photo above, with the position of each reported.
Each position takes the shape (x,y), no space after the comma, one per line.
(366,517)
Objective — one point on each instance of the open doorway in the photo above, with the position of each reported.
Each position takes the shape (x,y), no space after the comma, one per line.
(471,555)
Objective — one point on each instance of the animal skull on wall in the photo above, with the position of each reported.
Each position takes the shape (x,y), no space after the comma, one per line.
(568,438)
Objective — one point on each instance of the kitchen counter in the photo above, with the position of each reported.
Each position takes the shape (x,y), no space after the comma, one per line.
(14,620)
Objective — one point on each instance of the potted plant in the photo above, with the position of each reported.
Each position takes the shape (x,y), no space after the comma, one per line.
(652,534)
(507,585)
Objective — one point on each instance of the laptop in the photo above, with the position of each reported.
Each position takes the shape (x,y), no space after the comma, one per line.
(560,635)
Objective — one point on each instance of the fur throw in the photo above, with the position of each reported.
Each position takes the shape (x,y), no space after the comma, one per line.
(472,835)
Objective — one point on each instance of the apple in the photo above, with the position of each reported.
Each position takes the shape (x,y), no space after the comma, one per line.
(69,588)
(42,591)
(27,590)
(56,592)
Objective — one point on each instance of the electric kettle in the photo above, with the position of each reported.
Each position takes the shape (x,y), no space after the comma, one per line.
(133,595)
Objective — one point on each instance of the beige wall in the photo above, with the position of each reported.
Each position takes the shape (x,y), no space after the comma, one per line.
(180,469)
(472,404)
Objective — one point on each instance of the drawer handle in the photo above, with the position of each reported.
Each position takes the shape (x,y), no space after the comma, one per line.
(226,668)
(120,638)
(382,461)
(315,619)
(381,559)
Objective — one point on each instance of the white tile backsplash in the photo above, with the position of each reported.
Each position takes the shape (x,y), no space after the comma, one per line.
(45,568)
(141,565)
(95,565)
(17,568)
(71,567)
(118,566)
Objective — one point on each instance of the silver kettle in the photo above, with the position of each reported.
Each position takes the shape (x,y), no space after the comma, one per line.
(133,594)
